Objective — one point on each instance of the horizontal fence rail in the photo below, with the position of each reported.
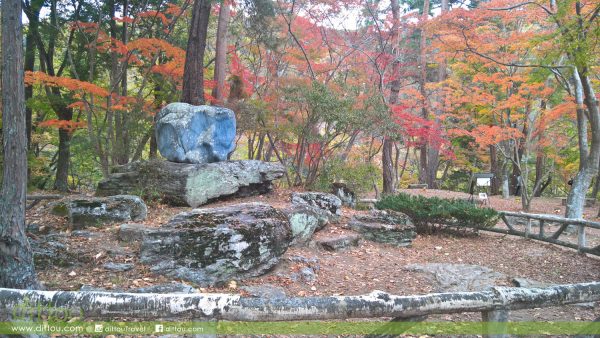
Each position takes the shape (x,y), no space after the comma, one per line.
(205,306)
(541,235)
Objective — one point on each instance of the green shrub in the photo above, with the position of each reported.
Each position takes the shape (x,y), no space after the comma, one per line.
(359,177)
(431,213)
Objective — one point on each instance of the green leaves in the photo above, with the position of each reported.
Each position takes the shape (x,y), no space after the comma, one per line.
(429,212)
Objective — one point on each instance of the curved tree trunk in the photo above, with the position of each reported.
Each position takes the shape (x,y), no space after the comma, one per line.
(16,259)
(589,154)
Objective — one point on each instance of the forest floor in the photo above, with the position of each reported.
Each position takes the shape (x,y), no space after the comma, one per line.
(358,270)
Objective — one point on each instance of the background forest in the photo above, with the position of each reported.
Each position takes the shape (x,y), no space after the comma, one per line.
(378,94)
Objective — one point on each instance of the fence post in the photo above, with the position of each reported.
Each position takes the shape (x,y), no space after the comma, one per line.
(541,228)
(581,238)
(495,323)
(528,228)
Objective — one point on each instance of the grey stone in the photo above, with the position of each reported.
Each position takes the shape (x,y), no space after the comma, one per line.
(345,194)
(458,277)
(195,134)
(306,274)
(326,206)
(53,250)
(131,232)
(167,288)
(529,283)
(97,211)
(302,259)
(339,242)
(303,221)
(84,234)
(183,184)
(214,245)
(388,227)
(267,291)
(120,267)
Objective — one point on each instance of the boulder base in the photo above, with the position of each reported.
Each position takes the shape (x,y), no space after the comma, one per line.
(184,184)
(213,246)
(195,134)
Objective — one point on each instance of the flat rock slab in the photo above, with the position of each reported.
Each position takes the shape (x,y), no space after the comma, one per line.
(183,184)
(339,242)
(326,206)
(118,267)
(214,245)
(131,232)
(195,134)
(458,277)
(98,211)
(388,227)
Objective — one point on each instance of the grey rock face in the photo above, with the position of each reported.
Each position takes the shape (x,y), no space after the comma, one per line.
(53,250)
(120,267)
(339,242)
(195,134)
(347,196)
(267,291)
(326,206)
(458,277)
(212,246)
(131,232)
(192,184)
(303,221)
(97,211)
(385,227)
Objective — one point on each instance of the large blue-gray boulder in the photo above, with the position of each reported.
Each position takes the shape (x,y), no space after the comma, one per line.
(195,134)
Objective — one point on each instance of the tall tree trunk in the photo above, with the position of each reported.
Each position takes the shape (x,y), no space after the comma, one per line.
(423,165)
(61,183)
(389,177)
(122,118)
(221,53)
(193,73)
(16,258)
(387,160)
(29,66)
(540,162)
(589,153)
(494,169)
(505,181)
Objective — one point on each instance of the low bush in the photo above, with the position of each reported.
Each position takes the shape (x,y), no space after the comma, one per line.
(432,213)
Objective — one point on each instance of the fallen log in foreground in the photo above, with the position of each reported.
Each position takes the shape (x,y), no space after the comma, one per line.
(106,305)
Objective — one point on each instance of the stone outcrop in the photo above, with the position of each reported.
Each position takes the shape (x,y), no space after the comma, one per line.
(183,184)
(214,245)
(97,211)
(326,206)
(388,227)
(303,222)
(338,243)
(345,194)
(195,134)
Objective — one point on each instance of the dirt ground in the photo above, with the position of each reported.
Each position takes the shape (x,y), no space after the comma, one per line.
(358,270)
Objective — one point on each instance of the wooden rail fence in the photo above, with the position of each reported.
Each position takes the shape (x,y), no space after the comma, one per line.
(541,235)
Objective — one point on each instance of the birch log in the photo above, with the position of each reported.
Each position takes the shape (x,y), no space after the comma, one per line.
(105,305)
